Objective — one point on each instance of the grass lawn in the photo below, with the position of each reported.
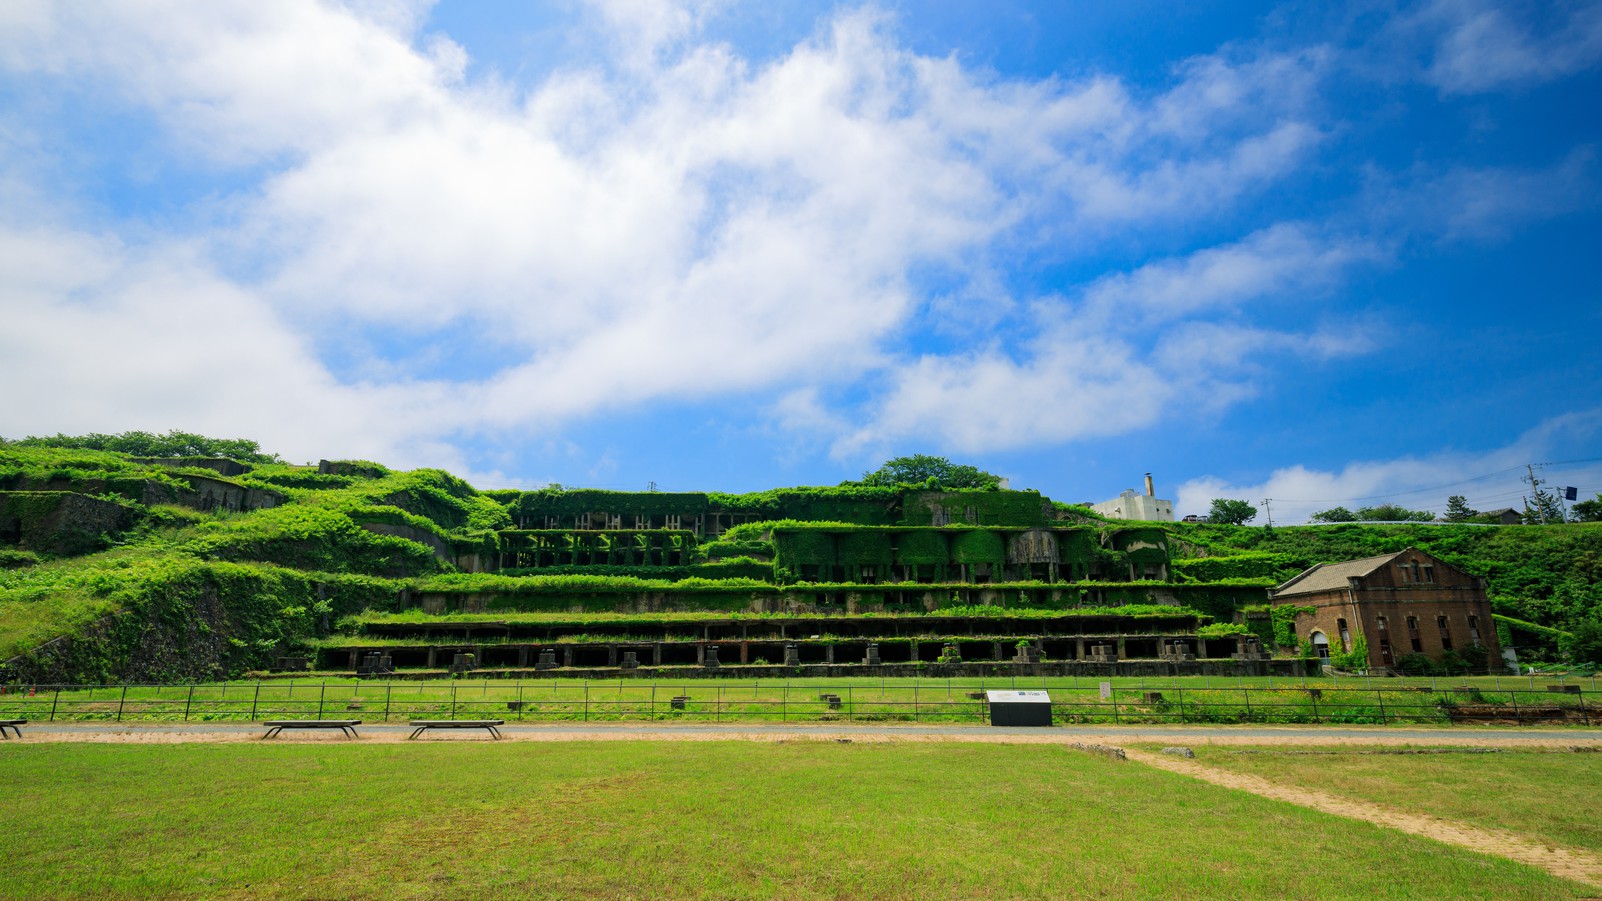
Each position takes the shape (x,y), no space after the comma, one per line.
(684,820)
(1552,796)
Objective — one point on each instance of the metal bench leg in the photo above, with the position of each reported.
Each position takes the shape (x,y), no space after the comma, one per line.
(416,732)
(271,732)
(495,732)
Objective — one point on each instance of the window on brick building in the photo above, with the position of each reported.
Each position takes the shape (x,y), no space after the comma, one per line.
(1446,633)
(1474,631)
(1346,635)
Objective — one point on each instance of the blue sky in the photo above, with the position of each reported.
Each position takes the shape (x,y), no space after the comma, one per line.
(1309,252)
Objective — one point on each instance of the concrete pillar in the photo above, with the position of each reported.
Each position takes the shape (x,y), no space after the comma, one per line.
(355,659)
(433,657)
(745,651)
(656,654)
(828,653)
(522,657)
(611,655)
(567,656)
(1079,649)
(995,651)
(1121,654)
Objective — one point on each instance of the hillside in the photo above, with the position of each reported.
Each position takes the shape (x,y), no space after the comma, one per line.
(125,566)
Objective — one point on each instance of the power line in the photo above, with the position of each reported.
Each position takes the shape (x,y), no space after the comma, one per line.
(1375,497)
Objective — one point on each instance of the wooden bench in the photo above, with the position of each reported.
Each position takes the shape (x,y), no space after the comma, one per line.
(12,725)
(346,726)
(425,725)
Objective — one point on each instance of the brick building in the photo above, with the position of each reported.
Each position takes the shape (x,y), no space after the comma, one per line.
(1402,603)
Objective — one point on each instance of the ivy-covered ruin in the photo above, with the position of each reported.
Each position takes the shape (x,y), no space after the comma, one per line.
(121,567)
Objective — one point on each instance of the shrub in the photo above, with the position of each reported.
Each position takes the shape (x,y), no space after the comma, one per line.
(1416,664)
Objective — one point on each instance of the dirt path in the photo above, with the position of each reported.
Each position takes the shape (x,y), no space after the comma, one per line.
(1321,736)
(1580,866)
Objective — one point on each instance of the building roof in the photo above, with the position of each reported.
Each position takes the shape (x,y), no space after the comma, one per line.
(1333,576)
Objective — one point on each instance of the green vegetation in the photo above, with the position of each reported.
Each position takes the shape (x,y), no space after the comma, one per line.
(1382,513)
(658,819)
(118,567)
(172,444)
(1547,575)
(933,473)
(1531,793)
(1231,512)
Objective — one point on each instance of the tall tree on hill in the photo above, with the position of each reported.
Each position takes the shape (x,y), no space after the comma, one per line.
(1542,507)
(924,471)
(1458,510)
(1588,511)
(1334,514)
(1231,512)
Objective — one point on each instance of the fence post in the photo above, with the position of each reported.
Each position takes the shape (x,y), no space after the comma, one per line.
(1182,717)
(784,703)
(322,692)
(121,701)
(653,702)
(254,698)
(53,702)
(1115,705)
(851,705)
(1314,699)
(586,700)
(453,699)
(1247,694)
(389,689)
(1385,718)
(188,701)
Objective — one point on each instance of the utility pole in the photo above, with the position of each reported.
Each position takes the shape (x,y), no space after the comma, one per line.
(1268,510)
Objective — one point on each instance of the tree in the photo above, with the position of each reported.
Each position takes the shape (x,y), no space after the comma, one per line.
(1585,646)
(1393,513)
(1458,510)
(1334,514)
(924,471)
(1231,512)
(1542,507)
(1588,511)
(146,444)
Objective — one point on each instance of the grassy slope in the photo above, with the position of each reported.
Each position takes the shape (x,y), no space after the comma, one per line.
(1550,796)
(673,820)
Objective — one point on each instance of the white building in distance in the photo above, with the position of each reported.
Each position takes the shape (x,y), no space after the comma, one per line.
(1130,505)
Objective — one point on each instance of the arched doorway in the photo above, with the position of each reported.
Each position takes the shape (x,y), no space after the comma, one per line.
(1321,645)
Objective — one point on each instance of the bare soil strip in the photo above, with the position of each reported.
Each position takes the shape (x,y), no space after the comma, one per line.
(1580,866)
(384,733)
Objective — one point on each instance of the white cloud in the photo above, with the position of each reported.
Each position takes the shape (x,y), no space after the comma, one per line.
(1488,481)
(681,225)
(1483,46)
(1166,340)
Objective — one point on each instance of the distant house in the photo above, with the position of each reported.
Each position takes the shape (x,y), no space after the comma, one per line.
(1507,516)
(1403,603)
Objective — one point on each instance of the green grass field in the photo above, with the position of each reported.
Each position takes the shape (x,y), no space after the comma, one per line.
(1552,796)
(684,820)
